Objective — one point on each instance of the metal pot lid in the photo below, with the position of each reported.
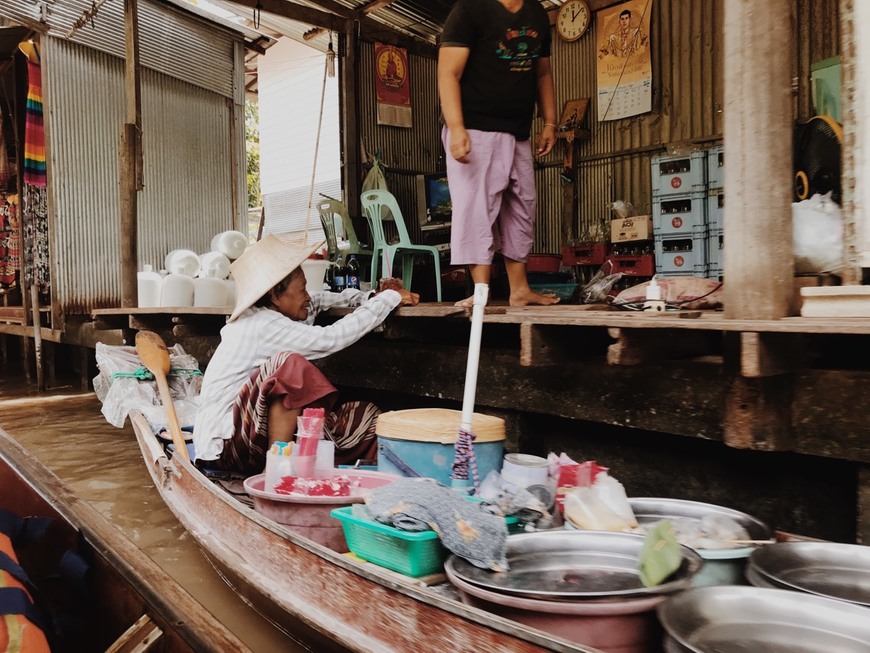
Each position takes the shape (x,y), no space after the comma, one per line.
(652,509)
(837,571)
(736,619)
(574,565)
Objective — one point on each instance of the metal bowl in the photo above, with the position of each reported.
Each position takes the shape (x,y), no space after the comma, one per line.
(837,571)
(732,619)
(574,565)
(648,510)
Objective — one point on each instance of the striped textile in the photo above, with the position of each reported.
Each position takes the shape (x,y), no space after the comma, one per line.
(290,378)
(34,133)
(9,242)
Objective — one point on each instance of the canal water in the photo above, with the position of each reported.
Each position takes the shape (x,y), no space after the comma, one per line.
(102,464)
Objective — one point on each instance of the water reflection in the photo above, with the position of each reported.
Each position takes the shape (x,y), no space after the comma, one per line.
(103,465)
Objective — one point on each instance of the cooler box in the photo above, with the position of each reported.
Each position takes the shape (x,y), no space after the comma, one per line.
(420,442)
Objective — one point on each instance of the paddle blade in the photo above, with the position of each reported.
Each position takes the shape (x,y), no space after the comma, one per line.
(153,352)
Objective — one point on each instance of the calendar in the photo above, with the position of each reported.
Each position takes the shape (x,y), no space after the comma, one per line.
(624,62)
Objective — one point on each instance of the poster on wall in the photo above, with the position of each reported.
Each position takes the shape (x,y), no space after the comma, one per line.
(392,86)
(624,62)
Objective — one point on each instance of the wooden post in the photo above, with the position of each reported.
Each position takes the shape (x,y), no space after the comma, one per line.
(130,159)
(856,136)
(347,65)
(758,128)
(759,258)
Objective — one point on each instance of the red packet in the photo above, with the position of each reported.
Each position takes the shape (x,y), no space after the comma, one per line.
(573,474)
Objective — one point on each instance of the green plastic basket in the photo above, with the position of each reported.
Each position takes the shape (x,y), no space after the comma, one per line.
(564,291)
(417,553)
(410,553)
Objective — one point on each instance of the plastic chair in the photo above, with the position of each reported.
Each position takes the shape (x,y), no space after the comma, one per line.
(335,220)
(373,202)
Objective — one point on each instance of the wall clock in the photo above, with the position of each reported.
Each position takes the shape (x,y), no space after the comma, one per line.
(573,20)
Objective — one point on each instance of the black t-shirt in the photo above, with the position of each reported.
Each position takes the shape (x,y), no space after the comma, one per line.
(499,84)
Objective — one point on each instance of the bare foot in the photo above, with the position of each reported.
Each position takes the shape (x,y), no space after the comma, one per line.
(529,296)
(468,302)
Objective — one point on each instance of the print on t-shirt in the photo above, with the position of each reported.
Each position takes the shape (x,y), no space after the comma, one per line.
(521,46)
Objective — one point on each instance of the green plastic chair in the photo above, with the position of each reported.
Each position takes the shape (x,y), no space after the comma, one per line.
(337,223)
(373,203)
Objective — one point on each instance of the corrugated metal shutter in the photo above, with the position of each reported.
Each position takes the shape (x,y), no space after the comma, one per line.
(172,42)
(188,157)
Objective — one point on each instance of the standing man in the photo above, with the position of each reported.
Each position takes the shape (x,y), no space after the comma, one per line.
(493,66)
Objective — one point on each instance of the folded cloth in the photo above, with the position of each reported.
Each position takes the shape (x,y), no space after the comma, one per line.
(464,528)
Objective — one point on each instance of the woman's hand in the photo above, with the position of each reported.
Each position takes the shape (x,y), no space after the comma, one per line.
(408,298)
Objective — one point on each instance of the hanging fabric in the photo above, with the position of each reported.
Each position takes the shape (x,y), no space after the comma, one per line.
(5,168)
(34,132)
(34,198)
(8,240)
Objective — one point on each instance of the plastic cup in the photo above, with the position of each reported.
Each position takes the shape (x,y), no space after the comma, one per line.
(304,465)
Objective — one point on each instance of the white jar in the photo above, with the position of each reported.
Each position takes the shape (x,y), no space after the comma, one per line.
(216,261)
(183,261)
(177,290)
(230,285)
(230,243)
(148,284)
(209,290)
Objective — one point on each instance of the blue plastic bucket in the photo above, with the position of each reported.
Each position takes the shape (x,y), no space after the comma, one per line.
(420,442)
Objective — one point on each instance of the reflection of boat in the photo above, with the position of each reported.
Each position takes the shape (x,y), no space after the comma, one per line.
(323,597)
(88,574)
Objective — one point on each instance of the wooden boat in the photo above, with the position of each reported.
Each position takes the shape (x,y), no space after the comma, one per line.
(124,602)
(320,596)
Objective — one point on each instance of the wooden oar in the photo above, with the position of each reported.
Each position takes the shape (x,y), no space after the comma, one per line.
(155,356)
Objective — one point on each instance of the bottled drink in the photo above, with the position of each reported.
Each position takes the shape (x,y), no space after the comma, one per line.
(340,282)
(329,278)
(352,272)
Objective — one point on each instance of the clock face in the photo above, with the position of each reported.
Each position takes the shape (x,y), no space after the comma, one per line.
(573,20)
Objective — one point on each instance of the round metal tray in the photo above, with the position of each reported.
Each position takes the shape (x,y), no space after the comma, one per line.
(574,565)
(651,509)
(732,619)
(837,571)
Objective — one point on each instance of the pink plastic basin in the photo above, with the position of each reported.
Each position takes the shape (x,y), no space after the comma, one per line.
(309,516)
(613,626)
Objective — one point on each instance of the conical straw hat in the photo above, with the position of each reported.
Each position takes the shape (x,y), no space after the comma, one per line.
(263,265)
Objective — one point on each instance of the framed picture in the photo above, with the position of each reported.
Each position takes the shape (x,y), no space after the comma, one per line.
(573,114)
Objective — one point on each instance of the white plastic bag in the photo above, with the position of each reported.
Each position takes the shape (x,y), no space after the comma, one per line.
(818,235)
(602,507)
(120,393)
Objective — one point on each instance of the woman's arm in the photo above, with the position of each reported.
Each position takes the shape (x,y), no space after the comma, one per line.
(547,107)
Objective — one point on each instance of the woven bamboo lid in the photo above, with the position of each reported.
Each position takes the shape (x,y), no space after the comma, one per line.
(436,425)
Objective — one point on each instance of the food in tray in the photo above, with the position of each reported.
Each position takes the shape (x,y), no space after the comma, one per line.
(389,283)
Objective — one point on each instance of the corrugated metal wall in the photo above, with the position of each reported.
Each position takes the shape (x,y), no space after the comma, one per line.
(171,41)
(686,37)
(188,161)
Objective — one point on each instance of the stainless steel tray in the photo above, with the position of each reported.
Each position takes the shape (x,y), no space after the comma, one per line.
(837,571)
(574,565)
(732,619)
(651,509)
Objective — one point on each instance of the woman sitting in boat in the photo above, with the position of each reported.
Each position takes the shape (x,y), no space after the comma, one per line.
(261,378)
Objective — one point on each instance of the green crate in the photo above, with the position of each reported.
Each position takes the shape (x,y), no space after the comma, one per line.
(411,553)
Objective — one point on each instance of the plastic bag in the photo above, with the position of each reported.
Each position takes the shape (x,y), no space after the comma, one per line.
(603,506)
(621,209)
(818,235)
(120,392)
(595,292)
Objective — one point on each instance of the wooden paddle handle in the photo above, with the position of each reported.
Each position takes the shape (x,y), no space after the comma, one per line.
(172,417)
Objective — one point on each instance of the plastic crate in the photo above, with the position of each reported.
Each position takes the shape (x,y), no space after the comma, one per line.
(679,174)
(410,553)
(715,261)
(679,214)
(634,266)
(716,209)
(584,254)
(681,256)
(716,167)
